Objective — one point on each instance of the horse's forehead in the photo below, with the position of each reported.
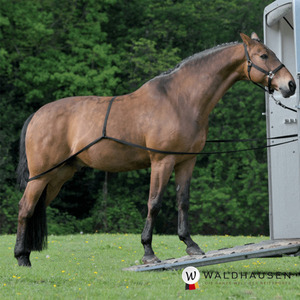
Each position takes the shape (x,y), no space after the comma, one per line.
(260,47)
(271,54)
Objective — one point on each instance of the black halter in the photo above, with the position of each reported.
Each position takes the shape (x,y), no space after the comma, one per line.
(270,74)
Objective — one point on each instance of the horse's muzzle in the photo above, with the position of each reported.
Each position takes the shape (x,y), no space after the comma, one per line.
(288,91)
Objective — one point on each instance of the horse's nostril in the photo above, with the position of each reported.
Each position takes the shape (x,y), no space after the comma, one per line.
(292,86)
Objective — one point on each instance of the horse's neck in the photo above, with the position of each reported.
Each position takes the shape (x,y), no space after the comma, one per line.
(202,84)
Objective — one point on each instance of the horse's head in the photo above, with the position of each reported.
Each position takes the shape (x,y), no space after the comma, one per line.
(263,67)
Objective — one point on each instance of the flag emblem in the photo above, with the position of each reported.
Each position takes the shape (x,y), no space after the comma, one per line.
(191,276)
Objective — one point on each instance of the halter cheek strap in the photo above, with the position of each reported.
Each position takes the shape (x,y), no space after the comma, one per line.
(270,74)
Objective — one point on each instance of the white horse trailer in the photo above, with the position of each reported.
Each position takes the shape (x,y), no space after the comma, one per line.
(282,35)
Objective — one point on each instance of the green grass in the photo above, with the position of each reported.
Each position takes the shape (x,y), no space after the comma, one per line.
(90,267)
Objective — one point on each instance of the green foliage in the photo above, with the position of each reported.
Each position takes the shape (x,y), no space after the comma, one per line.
(144,59)
(8,208)
(64,55)
(52,49)
(117,215)
(122,207)
(61,222)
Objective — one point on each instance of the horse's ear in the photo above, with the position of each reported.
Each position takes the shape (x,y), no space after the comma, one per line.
(246,39)
(254,36)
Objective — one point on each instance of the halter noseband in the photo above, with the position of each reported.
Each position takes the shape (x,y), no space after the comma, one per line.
(270,74)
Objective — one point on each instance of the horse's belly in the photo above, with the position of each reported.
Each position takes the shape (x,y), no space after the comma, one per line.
(113,157)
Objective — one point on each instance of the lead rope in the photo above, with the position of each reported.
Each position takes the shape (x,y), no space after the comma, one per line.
(278,102)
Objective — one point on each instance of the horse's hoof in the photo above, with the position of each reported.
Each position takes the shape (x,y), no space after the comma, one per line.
(150,259)
(23,261)
(194,250)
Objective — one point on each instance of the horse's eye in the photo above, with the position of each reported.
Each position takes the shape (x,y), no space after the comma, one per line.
(264,56)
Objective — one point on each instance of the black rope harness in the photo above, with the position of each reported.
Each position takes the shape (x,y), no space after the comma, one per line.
(104,136)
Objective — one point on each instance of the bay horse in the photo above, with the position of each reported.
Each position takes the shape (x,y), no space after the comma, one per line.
(169,113)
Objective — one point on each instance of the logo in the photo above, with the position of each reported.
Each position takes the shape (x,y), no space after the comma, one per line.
(191,276)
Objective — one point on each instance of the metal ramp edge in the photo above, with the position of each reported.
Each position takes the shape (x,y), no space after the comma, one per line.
(269,248)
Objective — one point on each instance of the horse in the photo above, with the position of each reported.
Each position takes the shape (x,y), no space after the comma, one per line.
(164,124)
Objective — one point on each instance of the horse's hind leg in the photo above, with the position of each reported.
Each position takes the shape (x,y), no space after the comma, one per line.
(183,175)
(32,227)
(160,175)
(32,231)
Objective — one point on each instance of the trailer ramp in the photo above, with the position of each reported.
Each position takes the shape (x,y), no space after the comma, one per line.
(269,248)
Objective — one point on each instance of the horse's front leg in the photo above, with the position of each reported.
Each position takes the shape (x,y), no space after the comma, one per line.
(183,175)
(160,175)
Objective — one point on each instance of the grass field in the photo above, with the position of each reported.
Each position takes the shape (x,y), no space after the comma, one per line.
(90,267)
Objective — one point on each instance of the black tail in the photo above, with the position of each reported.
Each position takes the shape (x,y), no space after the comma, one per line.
(36,229)
(22,170)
